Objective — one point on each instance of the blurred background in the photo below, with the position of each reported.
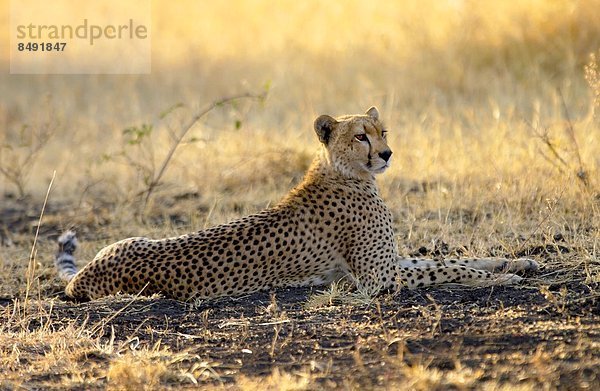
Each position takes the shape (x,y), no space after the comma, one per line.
(473,92)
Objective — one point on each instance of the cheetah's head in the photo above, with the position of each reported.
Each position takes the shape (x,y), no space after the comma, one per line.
(355,145)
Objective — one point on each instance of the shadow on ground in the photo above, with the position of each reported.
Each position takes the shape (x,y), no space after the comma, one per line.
(505,332)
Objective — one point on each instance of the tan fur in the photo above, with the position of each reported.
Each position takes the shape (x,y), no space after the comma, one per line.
(334,223)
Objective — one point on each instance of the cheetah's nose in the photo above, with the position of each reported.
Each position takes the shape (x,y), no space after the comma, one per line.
(385,155)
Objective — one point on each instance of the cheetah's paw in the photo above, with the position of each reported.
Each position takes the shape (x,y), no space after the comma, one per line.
(507,279)
(517,265)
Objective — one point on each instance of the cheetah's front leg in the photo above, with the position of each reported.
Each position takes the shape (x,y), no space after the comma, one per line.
(489,264)
(415,277)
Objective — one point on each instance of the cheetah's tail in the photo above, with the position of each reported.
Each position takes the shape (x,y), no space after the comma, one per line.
(65,261)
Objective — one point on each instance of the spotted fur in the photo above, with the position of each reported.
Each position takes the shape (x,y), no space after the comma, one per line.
(333,224)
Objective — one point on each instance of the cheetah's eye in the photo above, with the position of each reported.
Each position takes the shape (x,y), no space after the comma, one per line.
(384,133)
(361,137)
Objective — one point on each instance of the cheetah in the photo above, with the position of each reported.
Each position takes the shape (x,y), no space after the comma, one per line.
(334,223)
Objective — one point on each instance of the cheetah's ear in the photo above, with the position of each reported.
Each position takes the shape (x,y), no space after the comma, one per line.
(373,113)
(323,127)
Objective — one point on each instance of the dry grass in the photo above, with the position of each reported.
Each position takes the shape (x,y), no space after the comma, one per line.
(492,121)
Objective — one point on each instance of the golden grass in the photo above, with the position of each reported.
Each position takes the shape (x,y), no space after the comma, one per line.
(471,93)
(448,77)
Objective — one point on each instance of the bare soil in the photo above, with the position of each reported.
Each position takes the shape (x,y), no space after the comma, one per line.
(547,334)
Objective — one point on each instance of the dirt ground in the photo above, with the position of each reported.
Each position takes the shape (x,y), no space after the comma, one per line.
(511,334)
(536,335)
